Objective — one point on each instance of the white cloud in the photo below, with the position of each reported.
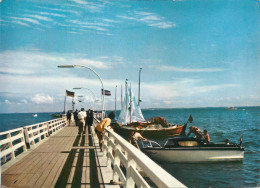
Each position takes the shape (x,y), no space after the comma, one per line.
(150,19)
(20,62)
(25,101)
(21,23)
(30,20)
(178,69)
(91,63)
(81,2)
(52,14)
(44,18)
(41,99)
(8,102)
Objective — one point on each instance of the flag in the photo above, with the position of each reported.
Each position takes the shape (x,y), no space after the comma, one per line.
(70,93)
(190,119)
(107,92)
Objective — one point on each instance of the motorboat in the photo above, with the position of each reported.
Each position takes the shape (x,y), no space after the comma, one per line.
(188,149)
(35,115)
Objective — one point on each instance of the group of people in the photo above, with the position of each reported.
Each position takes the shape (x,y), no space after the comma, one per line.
(82,119)
(198,134)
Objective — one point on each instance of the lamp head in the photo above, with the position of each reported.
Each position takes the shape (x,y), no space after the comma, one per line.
(66,66)
(77,88)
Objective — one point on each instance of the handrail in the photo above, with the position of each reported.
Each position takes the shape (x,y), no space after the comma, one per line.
(27,136)
(120,152)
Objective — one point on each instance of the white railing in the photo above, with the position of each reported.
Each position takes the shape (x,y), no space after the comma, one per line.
(120,152)
(12,140)
(55,125)
(27,136)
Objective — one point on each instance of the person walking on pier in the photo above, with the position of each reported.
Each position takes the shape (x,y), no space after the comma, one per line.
(75,114)
(89,119)
(82,118)
(69,116)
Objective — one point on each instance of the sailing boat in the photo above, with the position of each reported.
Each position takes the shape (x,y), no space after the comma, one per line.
(132,119)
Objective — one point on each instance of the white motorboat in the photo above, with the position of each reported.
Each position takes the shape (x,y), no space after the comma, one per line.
(35,115)
(188,149)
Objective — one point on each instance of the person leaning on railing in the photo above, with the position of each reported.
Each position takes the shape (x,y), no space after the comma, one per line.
(100,129)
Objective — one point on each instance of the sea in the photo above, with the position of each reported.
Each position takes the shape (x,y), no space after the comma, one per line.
(221,124)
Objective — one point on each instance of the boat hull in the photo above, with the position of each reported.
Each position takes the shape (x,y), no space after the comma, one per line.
(195,155)
(152,133)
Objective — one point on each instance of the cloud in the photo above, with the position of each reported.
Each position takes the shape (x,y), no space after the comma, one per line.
(41,99)
(21,23)
(44,18)
(178,69)
(81,2)
(28,20)
(150,19)
(52,14)
(25,101)
(20,62)
(8,102)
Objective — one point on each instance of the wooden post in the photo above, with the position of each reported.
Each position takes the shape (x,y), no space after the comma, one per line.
(129,179)
(116,163)
(10,144)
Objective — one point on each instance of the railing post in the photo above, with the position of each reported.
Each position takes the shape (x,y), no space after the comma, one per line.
(110,151)
(129,179)
(10,144)
(23,140)
(116,163)
(27,137)
(105,143)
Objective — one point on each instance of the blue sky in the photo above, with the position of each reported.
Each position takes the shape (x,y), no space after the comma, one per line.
(194,53)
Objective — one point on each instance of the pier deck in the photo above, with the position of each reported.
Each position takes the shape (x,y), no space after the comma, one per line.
(65,159)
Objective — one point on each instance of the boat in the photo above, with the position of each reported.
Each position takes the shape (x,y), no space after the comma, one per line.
(132,119)
(184,149)
(231,108)
(35,115)
(150,131)
(56,115)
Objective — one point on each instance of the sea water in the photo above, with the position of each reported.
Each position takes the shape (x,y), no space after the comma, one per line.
(220,123)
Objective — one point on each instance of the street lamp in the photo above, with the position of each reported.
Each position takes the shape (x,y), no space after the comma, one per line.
(90,92)
(102,85)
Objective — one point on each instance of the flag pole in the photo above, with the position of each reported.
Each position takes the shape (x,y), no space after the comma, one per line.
(115,101)
(65,103)
(139,86)
(130,103)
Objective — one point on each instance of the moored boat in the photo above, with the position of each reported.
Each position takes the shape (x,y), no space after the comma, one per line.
(153,130)
(132,119)
(188,149)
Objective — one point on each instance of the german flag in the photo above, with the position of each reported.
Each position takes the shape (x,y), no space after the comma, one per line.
(70,93)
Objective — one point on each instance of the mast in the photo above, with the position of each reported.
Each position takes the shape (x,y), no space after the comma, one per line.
(115,102)
(139,87)
(126,94)
(121,96)
(130,108)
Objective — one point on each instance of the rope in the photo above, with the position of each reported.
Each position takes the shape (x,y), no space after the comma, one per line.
(252,150)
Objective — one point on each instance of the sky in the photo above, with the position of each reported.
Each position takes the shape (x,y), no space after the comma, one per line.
(193,53)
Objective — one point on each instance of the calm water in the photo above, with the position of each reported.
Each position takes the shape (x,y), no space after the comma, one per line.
(15,120)
(220,123)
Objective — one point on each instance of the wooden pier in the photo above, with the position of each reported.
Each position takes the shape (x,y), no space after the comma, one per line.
(66,159)
(55,155)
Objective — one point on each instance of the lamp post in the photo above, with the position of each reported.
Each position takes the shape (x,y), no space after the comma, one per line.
(139,100)
(90,92)
(102,85)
